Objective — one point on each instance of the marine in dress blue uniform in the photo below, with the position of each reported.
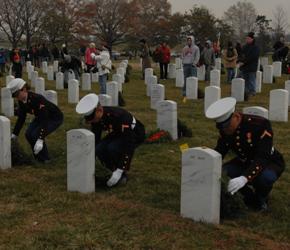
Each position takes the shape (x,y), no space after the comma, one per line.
(123,134)
(257,165)
(48,118)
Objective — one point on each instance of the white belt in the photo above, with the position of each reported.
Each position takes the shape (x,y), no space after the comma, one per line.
(133,124)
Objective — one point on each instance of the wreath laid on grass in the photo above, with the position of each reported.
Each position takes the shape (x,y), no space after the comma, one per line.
(158,136)
(18,156)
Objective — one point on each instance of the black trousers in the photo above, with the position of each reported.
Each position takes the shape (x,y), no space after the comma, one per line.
(163,70)
(32,134)
(116,151)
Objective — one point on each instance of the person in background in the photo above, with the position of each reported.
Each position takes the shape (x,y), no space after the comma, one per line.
(55,53)
(145,55)
(124,134)
(72,64)
(104,65)
(164,60)
(48,118)
(248,65)
(257,165)
(16,63)
(208,56)
(2,61)
(89,61)
(230,57)
(190,56)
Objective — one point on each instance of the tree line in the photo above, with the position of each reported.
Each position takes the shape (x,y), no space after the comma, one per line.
(126,21)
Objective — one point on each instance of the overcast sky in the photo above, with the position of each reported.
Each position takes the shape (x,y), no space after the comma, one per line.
(217,7)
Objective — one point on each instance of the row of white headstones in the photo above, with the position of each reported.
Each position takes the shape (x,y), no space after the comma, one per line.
(201,167)
(167,109)
(38,83)
(7,102)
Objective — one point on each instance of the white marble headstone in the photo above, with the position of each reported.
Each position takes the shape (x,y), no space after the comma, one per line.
(44,67)
(73,91)
(112,90)
(191,88)
(215,77)
(148,73)
(179,81)
(71,75)
(50,73)
(256,110)
(171,71)
(118,78)
(7,103)
(264,61)
(86,81)
(95,77)
(178,63)
(238,89)
(201,185)
(34,76)
(167,117)
(5,143)
(211,95)
(80,161)
(40,86)
(105,100)
(28,64)
(151,81)
(122,72)
(277,69)
(55,66)
(29,71)
(287,87)
(259,82)
(59,80)
(51,96)
(218,63)
(278,106)
(201,73)
(157,94)
(268,74)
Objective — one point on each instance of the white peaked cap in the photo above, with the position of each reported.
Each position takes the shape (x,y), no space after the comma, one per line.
(221,110)
(87,104)
(15,85)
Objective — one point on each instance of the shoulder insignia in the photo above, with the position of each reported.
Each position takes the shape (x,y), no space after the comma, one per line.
(266,133)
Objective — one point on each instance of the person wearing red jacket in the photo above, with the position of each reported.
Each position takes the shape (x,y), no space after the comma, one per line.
(89,61)
(165,59)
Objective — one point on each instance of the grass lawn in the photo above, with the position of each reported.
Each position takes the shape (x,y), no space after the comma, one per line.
(36,211)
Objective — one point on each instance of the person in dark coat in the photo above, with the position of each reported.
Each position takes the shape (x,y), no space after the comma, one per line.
(124,134)
(70,63)
(258,164)
(249,65)
(48,118)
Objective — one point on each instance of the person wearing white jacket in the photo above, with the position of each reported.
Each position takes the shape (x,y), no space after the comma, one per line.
(104,65)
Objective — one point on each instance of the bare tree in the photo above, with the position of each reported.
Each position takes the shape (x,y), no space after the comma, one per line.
(280,22)
(33,10)
(241,17)
(109,20)
(11,20)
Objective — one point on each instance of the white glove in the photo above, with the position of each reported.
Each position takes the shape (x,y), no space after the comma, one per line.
(116,176)
(93,55)
(38,146)
(14,137)
(236,184)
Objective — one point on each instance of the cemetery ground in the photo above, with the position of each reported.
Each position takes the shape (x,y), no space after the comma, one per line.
(37,212)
